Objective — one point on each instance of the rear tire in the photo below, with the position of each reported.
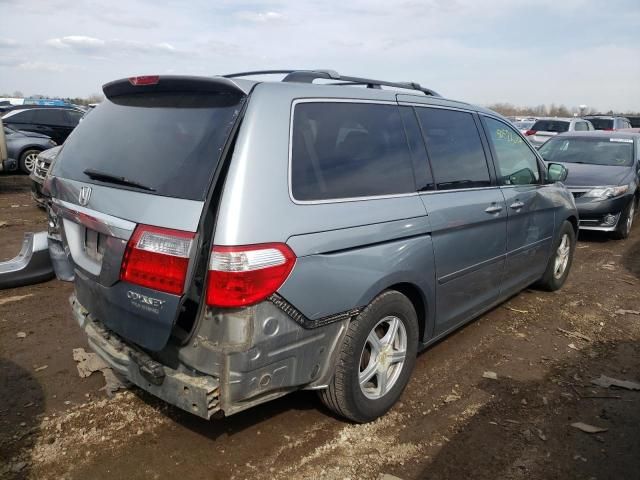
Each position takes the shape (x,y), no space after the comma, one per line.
(560,262)
(625,222)
(28,160)
(372,371)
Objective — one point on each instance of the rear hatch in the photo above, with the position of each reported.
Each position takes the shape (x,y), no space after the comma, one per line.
(543,130)
(130,186)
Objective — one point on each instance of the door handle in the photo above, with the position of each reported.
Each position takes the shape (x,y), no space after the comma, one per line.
(517,204)
(493,209)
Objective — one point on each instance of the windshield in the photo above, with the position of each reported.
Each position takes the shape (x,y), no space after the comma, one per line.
(169,142)
(602,123)
(594,151)
(550,126)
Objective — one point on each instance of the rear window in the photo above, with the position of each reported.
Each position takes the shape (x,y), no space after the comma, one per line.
(602,123)
(590,150)
(349,150)
(168,142)
(550,126)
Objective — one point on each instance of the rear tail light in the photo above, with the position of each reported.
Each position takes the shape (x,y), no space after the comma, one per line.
(241,276)
(144,80)
(157,258)
(607,129)
(530,132)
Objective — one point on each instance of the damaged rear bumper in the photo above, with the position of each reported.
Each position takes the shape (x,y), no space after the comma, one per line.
(234,360)
(197,394)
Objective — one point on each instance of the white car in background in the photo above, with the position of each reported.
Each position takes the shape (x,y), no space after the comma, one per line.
(545,128)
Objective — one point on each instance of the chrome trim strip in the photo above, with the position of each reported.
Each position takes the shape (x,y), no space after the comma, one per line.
(332,200)
(597,229)
(587,188)
(529,246)
(431,192)
(98,221)
(138,207)
(460,273)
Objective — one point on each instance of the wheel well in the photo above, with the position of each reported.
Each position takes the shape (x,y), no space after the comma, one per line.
(26,149)
(574,222)
(415,297)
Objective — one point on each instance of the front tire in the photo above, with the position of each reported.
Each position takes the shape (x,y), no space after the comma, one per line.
(626,221)
(376,359)
(28,160)
(560,262)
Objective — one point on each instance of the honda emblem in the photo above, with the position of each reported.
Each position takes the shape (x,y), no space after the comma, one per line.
(84,196)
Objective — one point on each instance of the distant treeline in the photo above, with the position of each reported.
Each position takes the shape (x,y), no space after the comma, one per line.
(94,98)
(552,110)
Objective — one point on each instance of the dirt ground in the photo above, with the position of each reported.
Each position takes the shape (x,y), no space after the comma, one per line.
(451,423)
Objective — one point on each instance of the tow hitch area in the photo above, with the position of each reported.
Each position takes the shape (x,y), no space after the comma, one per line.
(188,390)
(150,370)
(31,265)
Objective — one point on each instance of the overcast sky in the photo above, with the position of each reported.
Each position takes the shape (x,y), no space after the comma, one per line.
(483,51)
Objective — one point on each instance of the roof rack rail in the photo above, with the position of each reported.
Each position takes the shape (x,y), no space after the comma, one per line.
(308,76)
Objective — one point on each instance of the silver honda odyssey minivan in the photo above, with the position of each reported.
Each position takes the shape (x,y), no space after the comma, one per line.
(234,240)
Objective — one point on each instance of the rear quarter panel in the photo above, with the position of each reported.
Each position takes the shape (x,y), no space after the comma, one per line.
(347,251)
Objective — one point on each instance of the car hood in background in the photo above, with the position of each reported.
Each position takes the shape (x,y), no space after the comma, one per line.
(32,134)
(49,155)
(582,175)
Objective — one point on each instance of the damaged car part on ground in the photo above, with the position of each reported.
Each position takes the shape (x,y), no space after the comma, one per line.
(31,265)
(332,233)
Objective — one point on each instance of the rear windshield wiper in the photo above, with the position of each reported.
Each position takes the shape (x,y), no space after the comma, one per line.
(109,178)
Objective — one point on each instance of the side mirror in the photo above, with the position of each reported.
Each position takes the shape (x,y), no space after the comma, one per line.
(557,172)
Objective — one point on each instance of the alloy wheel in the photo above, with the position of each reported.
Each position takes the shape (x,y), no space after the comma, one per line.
(632,211)
(382,357)
(562,256)
(30,161)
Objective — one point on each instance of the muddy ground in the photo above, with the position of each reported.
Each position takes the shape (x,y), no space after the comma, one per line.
(451,421)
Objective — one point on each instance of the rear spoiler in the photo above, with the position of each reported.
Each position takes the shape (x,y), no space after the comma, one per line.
(172,83)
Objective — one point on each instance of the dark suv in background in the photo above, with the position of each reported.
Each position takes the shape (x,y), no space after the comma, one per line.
(55,122)
(607,122)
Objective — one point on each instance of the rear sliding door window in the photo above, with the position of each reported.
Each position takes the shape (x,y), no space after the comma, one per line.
(349,150)
(170,143)
(455,149)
